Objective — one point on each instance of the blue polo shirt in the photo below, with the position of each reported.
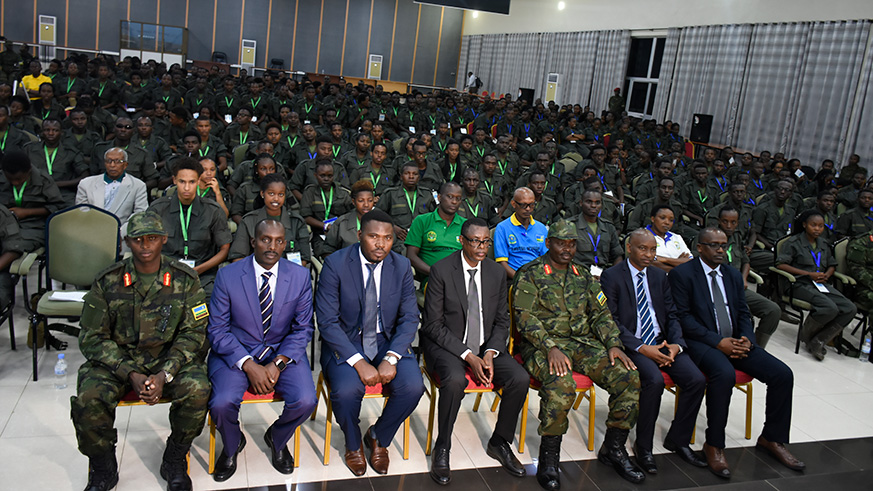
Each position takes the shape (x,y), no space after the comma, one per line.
(518,245)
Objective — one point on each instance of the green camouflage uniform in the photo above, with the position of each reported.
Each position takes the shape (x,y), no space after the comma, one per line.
(860,259)
(130,326)
(567,310)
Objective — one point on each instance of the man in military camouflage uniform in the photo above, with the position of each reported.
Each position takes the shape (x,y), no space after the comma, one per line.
(565,325)
(143,329)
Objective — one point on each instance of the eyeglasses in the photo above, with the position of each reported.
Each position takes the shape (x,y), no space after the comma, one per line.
(115,161)
(527,206)
(477,242)
(124,126)
(716,246)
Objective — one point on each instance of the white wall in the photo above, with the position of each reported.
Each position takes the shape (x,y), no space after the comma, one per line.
(592,15)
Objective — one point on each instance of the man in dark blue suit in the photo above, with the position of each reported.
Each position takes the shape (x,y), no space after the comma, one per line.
(367,316)
(718,329)
(260,325)
(641,303)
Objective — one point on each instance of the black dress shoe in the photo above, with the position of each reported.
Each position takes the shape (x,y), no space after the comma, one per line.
(685,453)
(503,454)
(226,465)
(646,460)
(439,466)
(281,459)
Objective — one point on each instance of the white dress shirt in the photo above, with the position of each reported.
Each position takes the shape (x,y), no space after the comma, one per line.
(633,273)
(259,270)
(465,267)
(720,278)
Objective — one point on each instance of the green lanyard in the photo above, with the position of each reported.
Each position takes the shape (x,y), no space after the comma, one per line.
(359,223)
(452,170)
(336,148)
(702,198)
(361,162)
(255,104)
(489,187)
(203,193)
(327,204)
(307,107)
(103,86)
(203,152)
(411,204)
(50,161)
(185,222)
(199,101)
(729,255)
(474,212)
(242,141)
(502,166)
(375,179)
(3,143)
(227,102)
(292,143)
(70,83)
(46,113)
(442,146)
(480,151)
(285,126)
(18,195)
(166,99)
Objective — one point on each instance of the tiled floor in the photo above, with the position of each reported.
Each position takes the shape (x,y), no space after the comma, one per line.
(832,401)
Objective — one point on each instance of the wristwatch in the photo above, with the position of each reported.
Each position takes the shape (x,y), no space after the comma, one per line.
(281,365)
(168,377)
(391,359)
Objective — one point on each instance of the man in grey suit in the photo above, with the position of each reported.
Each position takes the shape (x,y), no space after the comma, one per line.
(115,191)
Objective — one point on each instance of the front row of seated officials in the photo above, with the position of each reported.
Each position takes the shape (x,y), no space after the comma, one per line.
(144,328)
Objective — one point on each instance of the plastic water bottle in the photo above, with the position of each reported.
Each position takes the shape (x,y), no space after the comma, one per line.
(865,350)
(61,372)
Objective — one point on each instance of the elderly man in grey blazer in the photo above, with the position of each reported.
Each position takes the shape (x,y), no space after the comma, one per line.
(115,191)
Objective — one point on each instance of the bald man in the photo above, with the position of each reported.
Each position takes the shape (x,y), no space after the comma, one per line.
(519,239)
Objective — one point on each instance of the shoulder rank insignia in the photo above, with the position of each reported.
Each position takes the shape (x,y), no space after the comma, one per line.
(601,298)
(871,238)
(575,271)
(200,311)
(168,279)
(547,269)
(128,279)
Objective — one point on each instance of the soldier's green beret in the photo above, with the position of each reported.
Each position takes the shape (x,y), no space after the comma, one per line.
(563,230)
(145,223)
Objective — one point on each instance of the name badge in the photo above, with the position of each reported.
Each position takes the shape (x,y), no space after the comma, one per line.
(188,262)
(528,139)
(596,271)
(306,121)
(433,132)
(381,117)
(412,129)
(228,118)
(133,110)
(196,115)
(821,287)
(254,119)
(436,197)
(328,223)
(294,257)
(463,130)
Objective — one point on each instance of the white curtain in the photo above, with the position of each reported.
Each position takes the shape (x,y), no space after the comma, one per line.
(860,127)
(610,64)
(665,78)
(710,63)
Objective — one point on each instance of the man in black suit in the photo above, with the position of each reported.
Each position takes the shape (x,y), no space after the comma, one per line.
(641,303)
(718,330)
(466,324)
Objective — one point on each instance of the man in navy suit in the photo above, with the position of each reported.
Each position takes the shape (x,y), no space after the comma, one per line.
(718,329)
(367,316)
(260,325)
(641,303)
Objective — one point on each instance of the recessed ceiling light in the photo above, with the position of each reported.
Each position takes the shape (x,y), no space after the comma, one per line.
(561,5)
(475,14)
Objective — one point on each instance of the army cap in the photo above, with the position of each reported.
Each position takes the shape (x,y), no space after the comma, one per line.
(563,230)
(145,223)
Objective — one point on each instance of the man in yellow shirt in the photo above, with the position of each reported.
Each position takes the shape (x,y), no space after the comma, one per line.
(32,81)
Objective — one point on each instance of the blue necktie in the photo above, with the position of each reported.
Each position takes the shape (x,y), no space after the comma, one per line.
(647,330)
(371,308)
(265,298)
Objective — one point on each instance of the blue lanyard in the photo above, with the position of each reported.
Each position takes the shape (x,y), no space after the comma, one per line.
(720,185)
(817,259)
(595,244)
(667,236)
(758,184)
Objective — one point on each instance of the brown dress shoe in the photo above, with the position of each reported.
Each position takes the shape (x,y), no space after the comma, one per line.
(378,454)
(716,461)
(781,453)
(356,462)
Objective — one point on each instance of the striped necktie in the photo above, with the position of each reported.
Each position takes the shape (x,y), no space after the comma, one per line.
(265,298)
(647,330)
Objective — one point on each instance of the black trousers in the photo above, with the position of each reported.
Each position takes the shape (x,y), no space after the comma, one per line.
(719,370)
(449,369)
(691,384)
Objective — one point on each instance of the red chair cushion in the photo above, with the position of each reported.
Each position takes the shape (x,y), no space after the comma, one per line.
(251,396)
(582,381)
(376,389)
(471,381)
(667,380)
(743,377)
(131,396)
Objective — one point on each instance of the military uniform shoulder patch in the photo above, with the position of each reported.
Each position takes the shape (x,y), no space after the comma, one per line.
(167,279)
(200,311)
(601,298)
(547,269)
(871,238)
(575,271)
(128,279)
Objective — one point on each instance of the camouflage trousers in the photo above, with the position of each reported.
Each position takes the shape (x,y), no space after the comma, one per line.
(99,390)
(557,394)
